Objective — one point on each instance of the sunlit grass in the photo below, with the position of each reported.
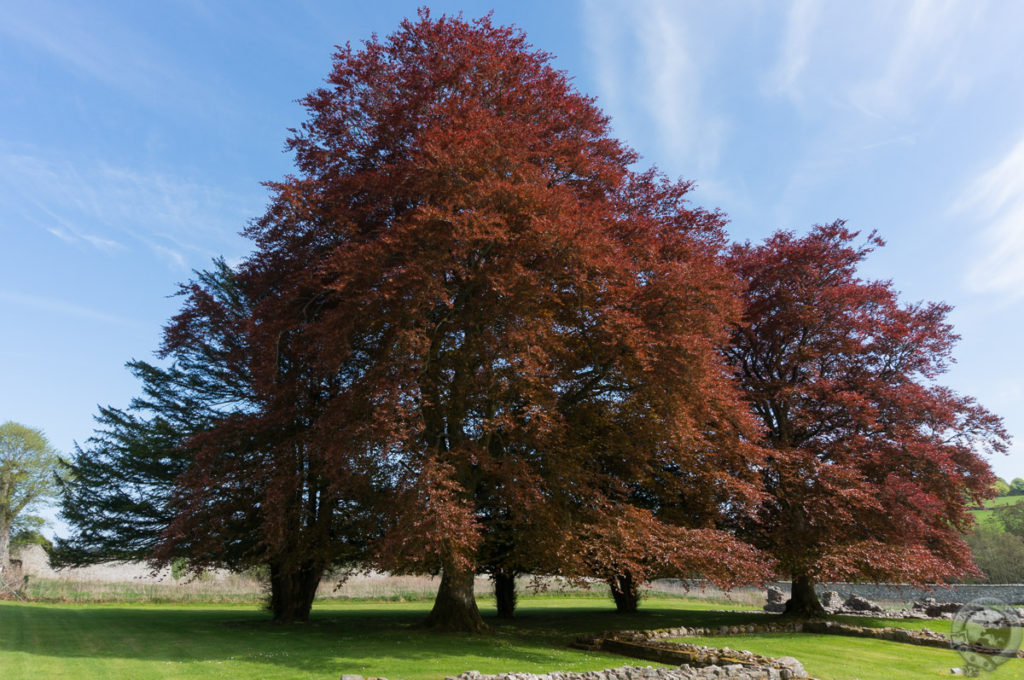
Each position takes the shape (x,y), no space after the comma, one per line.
(834,657)
(377,639)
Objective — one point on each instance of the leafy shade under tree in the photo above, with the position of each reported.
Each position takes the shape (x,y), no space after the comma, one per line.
(28,467)
(467,292)
(872,465)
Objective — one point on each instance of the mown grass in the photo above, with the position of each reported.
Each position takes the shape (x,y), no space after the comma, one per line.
(832,657)
(372,639)
(377,639)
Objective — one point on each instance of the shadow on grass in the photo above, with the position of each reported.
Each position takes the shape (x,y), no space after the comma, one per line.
(338,638)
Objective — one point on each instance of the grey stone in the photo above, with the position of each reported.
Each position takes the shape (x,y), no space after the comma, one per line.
(830,600)
(861,604)
(795,668)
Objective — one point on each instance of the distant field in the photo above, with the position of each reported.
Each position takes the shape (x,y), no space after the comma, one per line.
(1003,500)
(987,516)
(186,642)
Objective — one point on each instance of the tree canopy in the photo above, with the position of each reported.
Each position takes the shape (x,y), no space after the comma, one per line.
(28,466)
(468,302)
(473,337)
(843,378)
(118,487)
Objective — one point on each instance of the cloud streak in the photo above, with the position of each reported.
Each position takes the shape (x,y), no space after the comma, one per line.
(996,198)
(663,75)
(64,308)
(109,208)
(100,47)
(923,58)
(795,49)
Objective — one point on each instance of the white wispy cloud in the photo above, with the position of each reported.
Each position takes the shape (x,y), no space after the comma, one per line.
(923,57)
(663,75)
(603,45)
(116,209)
(996,199)
(795,49)
(63,307)
(93,44)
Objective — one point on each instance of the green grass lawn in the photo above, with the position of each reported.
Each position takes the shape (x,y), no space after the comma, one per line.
(373,639)
(109,642)
(831,657)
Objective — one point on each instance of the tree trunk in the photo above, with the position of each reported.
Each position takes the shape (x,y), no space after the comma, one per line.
(455,607)
(5,549)
(505,593)
(625,593)
(292,592)
(803,601)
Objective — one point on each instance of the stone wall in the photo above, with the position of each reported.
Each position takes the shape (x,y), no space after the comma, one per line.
(733,671)
(1009,593)
(36,564)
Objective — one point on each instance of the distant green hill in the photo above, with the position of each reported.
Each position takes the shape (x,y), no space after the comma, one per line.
(987,516)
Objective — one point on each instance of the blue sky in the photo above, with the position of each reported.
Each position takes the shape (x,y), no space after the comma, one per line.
(134,137)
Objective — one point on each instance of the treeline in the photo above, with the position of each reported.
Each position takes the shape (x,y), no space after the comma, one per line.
(1003,488)
(998,545)
(473,338)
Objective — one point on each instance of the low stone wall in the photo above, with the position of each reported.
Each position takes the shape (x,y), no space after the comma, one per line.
(1012,593)
(964,592)
(36,564)
(646,645)
(736,672)
(923,637)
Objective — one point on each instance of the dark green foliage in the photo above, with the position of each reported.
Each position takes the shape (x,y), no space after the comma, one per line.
(1000,555)
(117,487)
(31,537)
(1011,517)
(1017,487)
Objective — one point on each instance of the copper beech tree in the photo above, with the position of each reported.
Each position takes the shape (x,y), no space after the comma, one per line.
(872,464)
(475,323)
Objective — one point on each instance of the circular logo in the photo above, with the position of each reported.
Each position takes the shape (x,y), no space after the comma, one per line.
(986,633)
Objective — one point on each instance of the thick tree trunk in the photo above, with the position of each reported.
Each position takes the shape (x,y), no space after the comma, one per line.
(803,601)
(505,593)
(455,605)
(625,593)
(292,592)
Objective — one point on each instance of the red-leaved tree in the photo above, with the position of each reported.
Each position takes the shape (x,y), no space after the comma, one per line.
(872,465)
(467,289)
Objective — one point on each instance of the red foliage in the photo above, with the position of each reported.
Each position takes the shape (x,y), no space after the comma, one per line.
(467,300)
(872,466)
